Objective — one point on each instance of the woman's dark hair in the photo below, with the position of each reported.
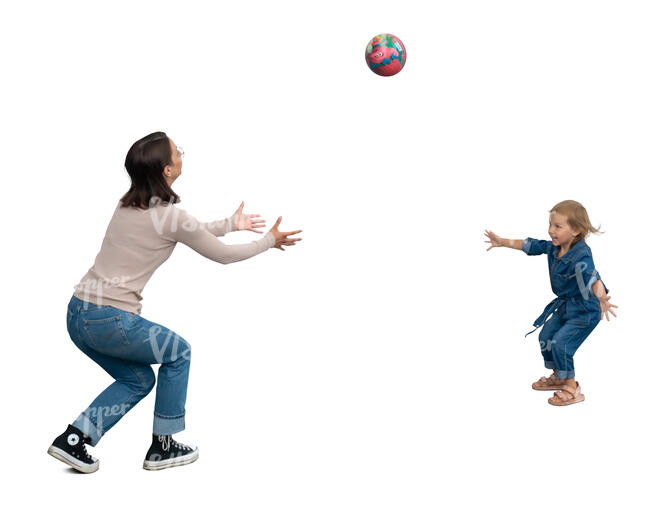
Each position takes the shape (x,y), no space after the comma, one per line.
(145,162)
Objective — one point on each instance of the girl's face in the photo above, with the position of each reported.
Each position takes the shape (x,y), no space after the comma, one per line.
(560,231)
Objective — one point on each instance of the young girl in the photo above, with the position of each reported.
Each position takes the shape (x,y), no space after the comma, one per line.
(581,300)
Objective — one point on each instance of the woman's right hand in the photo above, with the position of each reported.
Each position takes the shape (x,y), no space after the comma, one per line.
(494,239)
(282,238)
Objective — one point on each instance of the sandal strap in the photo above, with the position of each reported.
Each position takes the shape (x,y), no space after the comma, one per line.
(567,390)
(562,395)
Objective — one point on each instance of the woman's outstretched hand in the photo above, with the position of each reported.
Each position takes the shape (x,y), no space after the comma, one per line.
(244,222)
(282,238)
(494,239)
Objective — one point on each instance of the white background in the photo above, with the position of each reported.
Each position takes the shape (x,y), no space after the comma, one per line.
(382,360)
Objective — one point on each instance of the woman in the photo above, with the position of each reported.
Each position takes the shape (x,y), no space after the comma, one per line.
(104,319)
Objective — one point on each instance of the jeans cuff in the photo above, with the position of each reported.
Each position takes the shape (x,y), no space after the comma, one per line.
(165,425)
(87,427)
(562,374)
(549,364)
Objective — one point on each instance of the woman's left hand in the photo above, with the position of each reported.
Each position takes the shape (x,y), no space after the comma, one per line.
(243,222)
(606,307)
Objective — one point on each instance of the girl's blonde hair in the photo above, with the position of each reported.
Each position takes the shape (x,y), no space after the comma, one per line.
(577,218)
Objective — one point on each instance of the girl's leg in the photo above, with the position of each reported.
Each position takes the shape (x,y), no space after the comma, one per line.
(546,339)
(566,341)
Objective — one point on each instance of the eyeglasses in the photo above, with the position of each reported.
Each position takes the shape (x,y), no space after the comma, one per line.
(180,150)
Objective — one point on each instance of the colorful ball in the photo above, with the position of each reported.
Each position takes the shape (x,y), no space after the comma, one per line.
(385,55)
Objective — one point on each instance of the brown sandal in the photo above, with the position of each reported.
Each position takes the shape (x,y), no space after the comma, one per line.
(550,383)
(567,396)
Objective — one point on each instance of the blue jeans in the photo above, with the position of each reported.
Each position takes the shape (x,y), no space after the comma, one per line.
(561,336)
(125,344)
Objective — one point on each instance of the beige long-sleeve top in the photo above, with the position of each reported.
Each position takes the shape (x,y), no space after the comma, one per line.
(137,241)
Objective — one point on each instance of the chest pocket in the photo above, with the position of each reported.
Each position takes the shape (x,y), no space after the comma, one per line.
(562,278)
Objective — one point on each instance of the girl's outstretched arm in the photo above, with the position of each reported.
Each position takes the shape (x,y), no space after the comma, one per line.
(603,299)
(497,241)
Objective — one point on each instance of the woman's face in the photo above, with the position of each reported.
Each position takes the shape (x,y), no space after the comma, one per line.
(173,171)
(559,230)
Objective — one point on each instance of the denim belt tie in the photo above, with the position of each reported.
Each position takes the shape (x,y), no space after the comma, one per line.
(550,308)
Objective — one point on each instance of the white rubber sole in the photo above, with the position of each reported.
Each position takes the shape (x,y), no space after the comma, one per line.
(72,461)
(172,462)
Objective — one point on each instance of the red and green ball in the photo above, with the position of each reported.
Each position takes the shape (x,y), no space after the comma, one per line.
(385,55)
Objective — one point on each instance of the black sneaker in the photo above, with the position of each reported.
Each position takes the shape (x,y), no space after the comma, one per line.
(70,447)
(165,452)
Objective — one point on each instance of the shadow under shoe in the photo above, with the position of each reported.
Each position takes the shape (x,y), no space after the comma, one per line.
(70,447)
(165,452)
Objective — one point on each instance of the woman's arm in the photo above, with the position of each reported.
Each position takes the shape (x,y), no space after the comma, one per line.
(220,227)
(238,221)
(200,238)
(192,233)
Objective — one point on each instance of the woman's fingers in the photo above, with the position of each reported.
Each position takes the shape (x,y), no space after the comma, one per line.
(277,222)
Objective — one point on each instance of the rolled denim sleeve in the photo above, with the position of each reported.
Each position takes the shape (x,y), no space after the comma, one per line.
(587,275)
(536,246)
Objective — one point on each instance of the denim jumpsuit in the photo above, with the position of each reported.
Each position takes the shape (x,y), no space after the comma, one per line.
(575,312)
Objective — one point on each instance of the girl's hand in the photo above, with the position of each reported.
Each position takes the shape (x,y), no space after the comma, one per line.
(244,222)
(494,239)
(605,307)
(282,238)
